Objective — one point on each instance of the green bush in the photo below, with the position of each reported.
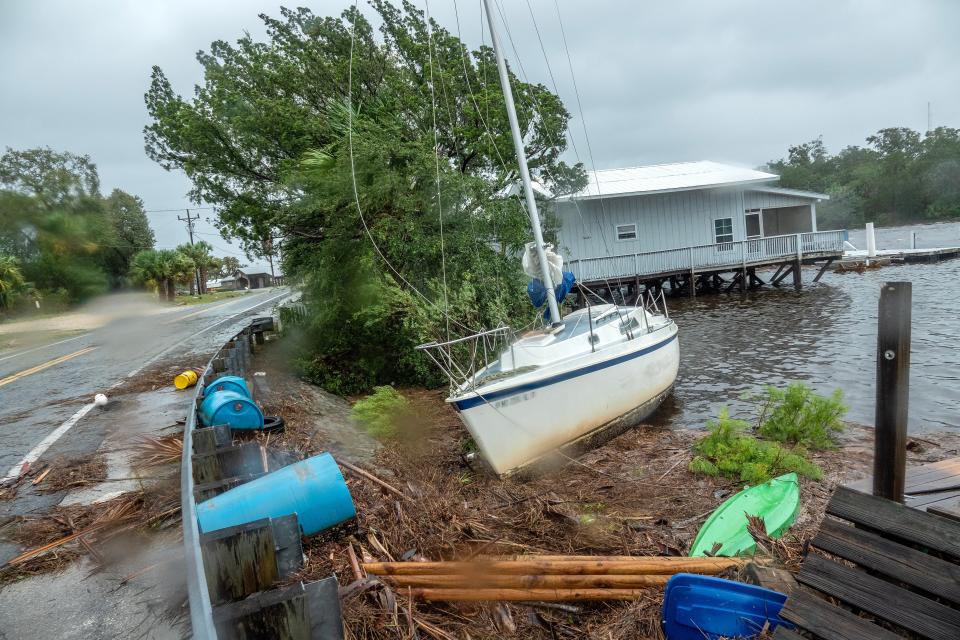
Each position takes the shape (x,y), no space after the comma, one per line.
(729,451)
(800,416)
(383,412)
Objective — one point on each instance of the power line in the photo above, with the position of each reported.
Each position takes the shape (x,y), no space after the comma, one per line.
(178,210)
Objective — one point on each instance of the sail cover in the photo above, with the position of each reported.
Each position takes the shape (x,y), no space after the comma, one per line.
(531,262)
(538,292)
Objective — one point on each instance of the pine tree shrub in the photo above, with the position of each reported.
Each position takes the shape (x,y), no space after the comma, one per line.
(799,416)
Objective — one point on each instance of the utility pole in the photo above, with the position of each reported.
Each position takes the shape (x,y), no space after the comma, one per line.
(190,220)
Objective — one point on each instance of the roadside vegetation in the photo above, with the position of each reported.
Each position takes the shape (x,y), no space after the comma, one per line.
(383,413)
(790,422)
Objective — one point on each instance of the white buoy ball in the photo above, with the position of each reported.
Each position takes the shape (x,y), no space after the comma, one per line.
(100,400)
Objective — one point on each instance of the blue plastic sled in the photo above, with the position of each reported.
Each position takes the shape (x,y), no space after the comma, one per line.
(704,608)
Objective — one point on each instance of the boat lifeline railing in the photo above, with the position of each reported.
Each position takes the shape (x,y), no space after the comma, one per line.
(733,254)
(461,358)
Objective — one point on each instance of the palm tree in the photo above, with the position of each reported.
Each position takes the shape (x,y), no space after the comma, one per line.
(162,270)
(200,253)
(11,281)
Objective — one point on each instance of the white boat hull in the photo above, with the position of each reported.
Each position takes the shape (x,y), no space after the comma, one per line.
(514,426)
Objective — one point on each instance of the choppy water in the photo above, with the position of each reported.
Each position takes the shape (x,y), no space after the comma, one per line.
(824,335)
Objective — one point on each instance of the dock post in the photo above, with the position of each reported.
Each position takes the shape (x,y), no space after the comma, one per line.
(893,390)
(693,276)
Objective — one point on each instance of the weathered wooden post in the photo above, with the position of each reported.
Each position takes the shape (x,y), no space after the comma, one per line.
(893,390)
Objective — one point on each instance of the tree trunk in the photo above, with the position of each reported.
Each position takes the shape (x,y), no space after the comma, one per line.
(171,290)
(203,280)
(192,288)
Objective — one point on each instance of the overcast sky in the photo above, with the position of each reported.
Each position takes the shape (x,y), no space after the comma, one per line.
(737,81)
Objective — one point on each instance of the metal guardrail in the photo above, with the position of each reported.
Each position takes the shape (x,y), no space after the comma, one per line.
(201,610)
(707,256)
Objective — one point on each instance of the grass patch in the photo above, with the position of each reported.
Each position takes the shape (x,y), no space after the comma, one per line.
(209,297)
(383,412)
(790,422)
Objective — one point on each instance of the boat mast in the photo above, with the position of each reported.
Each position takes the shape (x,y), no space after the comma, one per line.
(524,170)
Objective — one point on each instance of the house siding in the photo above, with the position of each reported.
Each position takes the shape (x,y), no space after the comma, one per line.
(587,229)
(664,221)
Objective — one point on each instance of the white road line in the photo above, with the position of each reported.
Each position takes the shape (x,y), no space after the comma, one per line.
(47,442)
(52,344)
(194,335)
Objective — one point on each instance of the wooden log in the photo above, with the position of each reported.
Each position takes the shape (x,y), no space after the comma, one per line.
(654,565)
(512,581)
(893,390)
(527,595)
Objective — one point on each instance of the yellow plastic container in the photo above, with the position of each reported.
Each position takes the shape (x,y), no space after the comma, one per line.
(186,379)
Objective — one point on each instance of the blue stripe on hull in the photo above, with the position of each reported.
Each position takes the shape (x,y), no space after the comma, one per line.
(469,403)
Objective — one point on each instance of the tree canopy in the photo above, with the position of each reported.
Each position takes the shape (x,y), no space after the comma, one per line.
(67,238)
(899,176)
(355,169)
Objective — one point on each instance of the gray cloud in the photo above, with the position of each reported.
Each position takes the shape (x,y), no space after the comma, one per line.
(738,80)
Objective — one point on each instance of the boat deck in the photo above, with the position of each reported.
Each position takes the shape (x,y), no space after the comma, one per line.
(903,581)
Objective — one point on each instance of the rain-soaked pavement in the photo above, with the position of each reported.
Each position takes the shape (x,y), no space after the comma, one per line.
(43,388)
(45,398)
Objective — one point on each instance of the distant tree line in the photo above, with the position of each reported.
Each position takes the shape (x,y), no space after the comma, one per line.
(60,238)
(900,176)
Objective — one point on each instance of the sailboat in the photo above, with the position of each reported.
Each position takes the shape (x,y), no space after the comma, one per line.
(524,398)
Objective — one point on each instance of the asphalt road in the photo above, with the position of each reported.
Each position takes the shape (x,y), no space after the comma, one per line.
(47,390)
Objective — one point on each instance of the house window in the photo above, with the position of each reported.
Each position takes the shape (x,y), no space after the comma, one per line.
(626,232)
(752,223)
(723,230)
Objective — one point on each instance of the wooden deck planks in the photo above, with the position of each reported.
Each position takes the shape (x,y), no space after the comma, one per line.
(870,551)
(890,518)
(828,621)
(882,599)
(949,509)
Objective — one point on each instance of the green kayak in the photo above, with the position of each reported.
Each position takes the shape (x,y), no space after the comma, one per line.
(776,501)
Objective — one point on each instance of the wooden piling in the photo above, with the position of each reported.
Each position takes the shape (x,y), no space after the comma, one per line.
(893,387)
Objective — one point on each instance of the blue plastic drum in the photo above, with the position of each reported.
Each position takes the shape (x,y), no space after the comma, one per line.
(230,408)
(228,383)
(313,489)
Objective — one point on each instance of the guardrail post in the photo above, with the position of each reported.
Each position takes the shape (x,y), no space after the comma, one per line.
(893,390)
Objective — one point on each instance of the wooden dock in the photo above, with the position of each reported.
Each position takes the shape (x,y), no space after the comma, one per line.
(904,255)
(933,487)
(905,578)
(709,268)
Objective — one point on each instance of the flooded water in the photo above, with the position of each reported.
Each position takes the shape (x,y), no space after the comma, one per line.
(825,335)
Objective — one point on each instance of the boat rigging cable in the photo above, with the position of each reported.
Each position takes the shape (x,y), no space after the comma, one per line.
(436,157)
(601,221)
(353,177)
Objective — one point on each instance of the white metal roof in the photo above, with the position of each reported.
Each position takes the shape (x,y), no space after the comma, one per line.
(660,178)
(813,195)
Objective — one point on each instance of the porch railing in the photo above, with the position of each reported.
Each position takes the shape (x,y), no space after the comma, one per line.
(708,256)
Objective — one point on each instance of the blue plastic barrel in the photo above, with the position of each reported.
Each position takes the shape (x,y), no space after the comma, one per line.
(228,383)
(230,408)
(313,489)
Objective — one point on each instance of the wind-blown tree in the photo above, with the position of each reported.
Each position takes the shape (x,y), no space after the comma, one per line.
(66,236)
(11,281)
(129,233)
(266,139)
